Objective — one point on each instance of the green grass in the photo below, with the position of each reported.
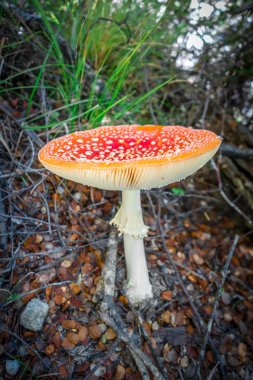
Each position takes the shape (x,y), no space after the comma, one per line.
(104,38)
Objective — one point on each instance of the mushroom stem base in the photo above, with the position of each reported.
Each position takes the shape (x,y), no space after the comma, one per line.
(138,287)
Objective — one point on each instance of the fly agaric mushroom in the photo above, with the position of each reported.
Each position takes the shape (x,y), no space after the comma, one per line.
(130,158)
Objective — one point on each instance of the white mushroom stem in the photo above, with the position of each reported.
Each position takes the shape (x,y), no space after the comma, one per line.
(138,286)
(129,221)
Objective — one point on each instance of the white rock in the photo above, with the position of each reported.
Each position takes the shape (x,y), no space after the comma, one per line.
(34,314)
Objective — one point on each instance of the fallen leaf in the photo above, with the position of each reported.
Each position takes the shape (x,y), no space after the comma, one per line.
(242,349)
(67,344)
(167,295)
(50,349)
(72,338)
(57,340)
(166,316)
(75,288)
(123,299)
(190,329)
(59,299)
(210,357)
(63,371)
(69,324)
(120,372)
(95,331)
(83,333)
(110,334)
(192,278)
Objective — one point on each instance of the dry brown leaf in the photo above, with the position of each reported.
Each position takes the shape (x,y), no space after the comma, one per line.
(123,299)
(120,372)
(63,371)
(69,324)
(101,345)
(192,278)
(190,329)
(167,295)
(110,334)
(50,349)
(242,349)
(83,333)
(67,344)
(75,288)
(147,328)
(72,338)
(48,291)
(57,340)
(166,316)
(59,299)
(210,357)
(95,331)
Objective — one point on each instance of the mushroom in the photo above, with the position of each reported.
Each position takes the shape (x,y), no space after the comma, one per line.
(130,158)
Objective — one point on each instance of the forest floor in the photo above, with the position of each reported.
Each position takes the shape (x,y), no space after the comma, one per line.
(54,239)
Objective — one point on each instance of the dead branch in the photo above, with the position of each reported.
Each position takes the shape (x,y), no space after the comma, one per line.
(110,315)
(225,197)
(234,152)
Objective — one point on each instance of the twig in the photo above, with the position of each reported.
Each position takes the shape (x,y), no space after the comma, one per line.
(232,151)
(157,359)
(140,365)
(26,344)
(224,273)
(224,195)
(108,354)
(19,296)
(210,376)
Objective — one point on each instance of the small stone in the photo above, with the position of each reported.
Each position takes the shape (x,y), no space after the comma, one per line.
(12,367)
(228,317)
(184,362)
(22,350)
(226,298)
(155,326)
(34,315)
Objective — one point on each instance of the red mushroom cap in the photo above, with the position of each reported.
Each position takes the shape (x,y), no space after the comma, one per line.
(129,157)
